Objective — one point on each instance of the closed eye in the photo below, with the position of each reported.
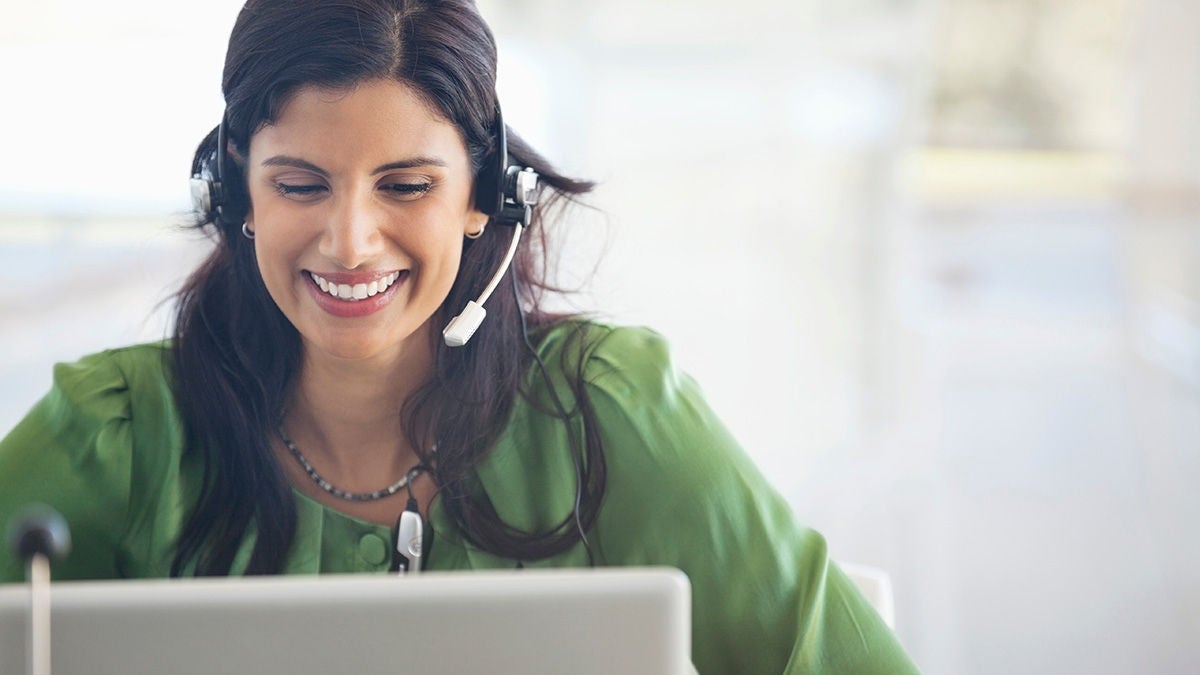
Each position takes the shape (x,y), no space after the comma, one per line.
(287,189)
(406,190)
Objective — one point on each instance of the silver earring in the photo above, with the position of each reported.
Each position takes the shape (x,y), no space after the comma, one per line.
(477,233)
(246,231)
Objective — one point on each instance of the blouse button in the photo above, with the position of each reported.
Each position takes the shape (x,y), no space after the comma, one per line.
(372,548)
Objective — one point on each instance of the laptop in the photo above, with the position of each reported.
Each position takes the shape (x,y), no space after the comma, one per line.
(614,620)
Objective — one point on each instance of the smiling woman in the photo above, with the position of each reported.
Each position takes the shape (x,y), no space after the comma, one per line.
(362,188)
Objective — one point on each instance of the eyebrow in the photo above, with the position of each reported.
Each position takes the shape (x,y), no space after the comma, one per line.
(410,163)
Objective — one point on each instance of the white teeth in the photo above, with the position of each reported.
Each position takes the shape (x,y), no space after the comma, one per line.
(356,291)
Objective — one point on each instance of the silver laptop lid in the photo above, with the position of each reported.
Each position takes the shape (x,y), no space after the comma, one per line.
(615,620)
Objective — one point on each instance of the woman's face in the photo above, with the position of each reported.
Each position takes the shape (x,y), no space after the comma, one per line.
(360,199)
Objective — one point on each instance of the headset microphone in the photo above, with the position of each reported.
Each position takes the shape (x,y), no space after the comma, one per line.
(516,193)
(462,327)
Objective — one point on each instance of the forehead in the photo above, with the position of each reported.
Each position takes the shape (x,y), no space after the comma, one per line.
(368,120)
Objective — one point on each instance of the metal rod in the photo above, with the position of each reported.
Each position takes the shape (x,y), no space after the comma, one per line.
(39,615)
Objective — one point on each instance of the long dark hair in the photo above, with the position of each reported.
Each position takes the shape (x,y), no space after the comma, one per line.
(235,353)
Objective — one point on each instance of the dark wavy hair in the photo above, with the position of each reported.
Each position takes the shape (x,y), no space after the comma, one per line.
(235,353)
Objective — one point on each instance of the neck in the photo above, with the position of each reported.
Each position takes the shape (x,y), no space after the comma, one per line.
(347,412)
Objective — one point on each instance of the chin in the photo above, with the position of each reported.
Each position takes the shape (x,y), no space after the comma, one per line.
(365,344)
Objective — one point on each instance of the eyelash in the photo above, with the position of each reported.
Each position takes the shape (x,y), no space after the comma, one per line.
(409,188)
(403,189)
(302,190)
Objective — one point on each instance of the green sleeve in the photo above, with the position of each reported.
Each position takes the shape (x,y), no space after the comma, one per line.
(75,451)
(681,492)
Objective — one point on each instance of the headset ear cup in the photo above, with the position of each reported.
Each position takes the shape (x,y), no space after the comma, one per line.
(216,183)
(489,188)
(488,192)
(202,197)
(207,197)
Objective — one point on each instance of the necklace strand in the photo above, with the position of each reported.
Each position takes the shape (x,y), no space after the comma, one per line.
(336,491)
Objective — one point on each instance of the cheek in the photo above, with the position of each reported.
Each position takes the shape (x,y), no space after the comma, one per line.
(273,269)
(432,233)
(277,251)
(270,246)
(445,256)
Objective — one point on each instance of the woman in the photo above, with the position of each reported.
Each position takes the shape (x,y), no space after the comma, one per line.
(309,398)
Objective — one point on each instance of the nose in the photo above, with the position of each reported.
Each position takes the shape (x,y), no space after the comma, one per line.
(352,237)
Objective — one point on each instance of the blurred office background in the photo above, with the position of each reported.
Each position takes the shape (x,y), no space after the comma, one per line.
(934,262)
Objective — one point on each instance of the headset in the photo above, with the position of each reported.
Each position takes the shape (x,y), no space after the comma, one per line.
(505,192)
(509,192)
(207,192)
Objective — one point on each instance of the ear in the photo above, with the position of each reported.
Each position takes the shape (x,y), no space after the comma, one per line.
(475,222)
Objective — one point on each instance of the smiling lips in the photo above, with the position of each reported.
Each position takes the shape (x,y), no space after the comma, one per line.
(355,292)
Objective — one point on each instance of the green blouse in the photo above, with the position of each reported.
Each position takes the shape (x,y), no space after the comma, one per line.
(105,448)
